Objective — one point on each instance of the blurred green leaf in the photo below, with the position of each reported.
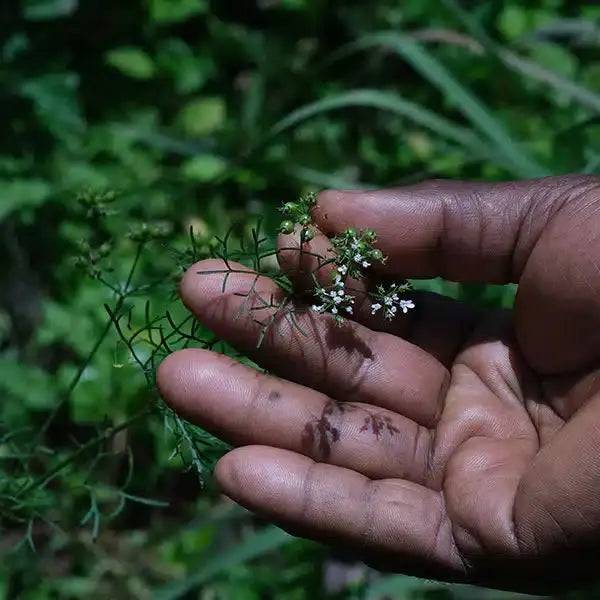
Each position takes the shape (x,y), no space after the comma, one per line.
(555,57)
(526,67)
(189,70)
(24,384)
(15,45)
(202,116)
(513,21)
(20,194)
(252,546)
(389,102)
(131,61)
(56,100)
(204,167)
(399,586)
(41,10)
(173,11)
(461,97)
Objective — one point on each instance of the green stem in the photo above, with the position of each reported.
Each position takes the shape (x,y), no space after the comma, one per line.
(121,296)
(73,383)
(104,436)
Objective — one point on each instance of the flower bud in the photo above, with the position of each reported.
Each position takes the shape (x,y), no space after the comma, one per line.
(308,234)
(377,254)
(369,235)
(286,227)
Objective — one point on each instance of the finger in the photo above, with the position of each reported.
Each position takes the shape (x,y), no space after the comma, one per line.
(498,233)
(244,406)
(462,231)
(348,362)
(439,325)
(325,501)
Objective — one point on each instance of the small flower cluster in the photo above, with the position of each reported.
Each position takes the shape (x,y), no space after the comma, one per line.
(355,252)
(145,232)
(387,299)
(91,258)
(334,300)
(299,212)
(96,203)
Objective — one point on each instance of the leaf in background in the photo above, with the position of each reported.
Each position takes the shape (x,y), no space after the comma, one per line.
(204,167)
(131,61)
(202,116)
(173,11)
(400,586)
(533,70)
(513,21)
(254,545)
(188,70)
(462,98)
(56,101)
(15,45)
(526,67)
(24,385)
(22,194)
(395,104)
(43,10)
(554,56)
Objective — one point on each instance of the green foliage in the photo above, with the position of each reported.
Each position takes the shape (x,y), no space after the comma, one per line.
(131,61)
(133,133)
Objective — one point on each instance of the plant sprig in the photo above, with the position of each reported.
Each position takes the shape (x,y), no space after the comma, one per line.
(355,253)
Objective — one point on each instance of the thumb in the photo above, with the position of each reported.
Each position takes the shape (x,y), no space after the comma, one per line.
(544,234)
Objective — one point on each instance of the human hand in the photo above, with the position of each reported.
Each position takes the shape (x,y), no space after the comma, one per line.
(451,443)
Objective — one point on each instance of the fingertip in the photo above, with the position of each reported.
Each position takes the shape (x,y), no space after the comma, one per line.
(336,210)
(226,474)
(181,375)
(262,478)
(321,211)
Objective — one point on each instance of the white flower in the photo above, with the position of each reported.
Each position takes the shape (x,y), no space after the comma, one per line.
(337,299)
(341,293)
(349,309)
(334,310)
(317,308)
(355,244)
(395,297)
(366,264)
(393,310)
(388,301)
(333,293)
(358,257)
(375,307)
(338,280)
(406,304)
(343,269)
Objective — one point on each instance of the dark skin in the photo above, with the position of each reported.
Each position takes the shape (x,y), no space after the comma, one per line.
(450,443)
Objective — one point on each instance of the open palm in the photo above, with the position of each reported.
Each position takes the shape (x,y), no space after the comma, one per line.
(450,443)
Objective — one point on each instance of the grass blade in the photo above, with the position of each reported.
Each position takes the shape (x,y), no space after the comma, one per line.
(525,66)
(255,545)
(396,104)
(465,101)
